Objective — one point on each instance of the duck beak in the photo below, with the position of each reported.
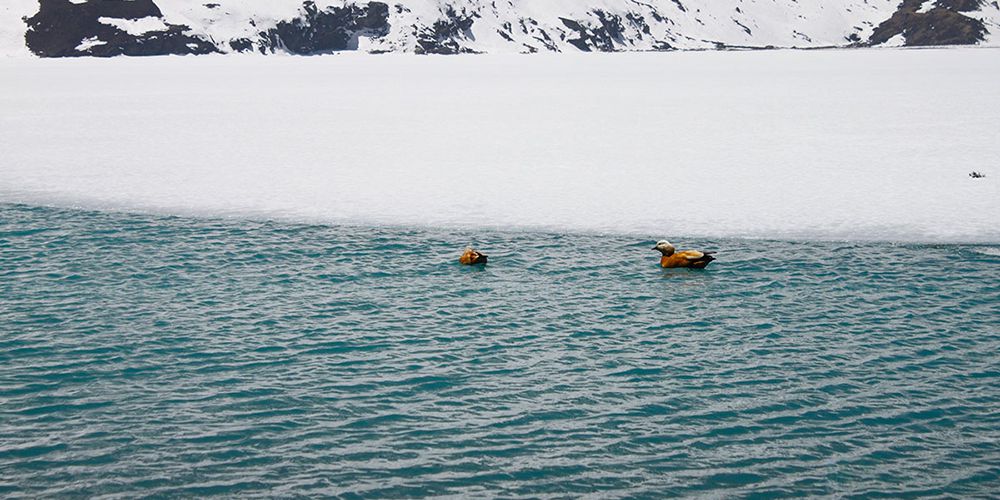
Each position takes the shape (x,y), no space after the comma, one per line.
(656,248)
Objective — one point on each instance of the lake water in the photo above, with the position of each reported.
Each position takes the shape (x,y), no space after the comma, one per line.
(172,356)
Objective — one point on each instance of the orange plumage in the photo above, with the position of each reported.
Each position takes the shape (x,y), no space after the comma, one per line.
(471,256)
(692,259)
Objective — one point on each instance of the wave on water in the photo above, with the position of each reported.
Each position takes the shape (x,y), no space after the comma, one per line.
(185,357)
(991,251)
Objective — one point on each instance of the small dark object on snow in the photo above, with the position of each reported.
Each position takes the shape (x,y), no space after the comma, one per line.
(977,175)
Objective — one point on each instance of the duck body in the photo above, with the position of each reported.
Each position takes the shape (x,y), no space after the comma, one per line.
(471,256)
(692,259)
(688,258)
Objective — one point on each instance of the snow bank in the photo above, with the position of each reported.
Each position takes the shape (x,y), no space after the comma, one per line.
(864,144)
(12,27)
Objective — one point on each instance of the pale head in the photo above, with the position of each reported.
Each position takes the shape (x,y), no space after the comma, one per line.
(665,247)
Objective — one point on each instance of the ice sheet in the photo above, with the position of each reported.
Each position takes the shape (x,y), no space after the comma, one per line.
(859,144)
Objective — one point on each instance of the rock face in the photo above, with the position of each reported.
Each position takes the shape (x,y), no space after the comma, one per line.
(137,27)
(317,31)
(62,28)
(924,23)
(446,34)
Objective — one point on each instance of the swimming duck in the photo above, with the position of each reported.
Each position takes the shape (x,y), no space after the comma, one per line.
(470,257)
(686,258)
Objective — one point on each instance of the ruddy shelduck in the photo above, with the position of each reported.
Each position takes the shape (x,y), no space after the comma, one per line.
(471,256)
(686,258)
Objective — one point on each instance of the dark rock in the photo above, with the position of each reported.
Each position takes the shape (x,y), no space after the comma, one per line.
(544,38)
(445,35)
(960,5)
(331,29)
(609,34)
(600,38)
(60,26)
(611,25)
(942,25)
(744,27)
(639,22)
(241,45)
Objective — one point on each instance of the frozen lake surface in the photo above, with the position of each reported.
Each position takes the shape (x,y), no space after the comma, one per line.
(860,144)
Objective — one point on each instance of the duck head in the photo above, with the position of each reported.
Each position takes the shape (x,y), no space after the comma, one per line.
(665,248)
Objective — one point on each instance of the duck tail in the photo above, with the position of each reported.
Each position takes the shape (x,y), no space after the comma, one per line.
(705,260)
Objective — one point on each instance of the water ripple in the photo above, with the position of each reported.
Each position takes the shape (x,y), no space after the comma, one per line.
(169,356)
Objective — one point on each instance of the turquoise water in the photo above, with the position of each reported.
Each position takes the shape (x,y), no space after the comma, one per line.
(186,357)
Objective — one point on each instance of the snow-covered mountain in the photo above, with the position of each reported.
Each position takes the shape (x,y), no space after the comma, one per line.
(54,28)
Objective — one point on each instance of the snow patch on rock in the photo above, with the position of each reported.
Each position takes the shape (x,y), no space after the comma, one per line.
(91,42)
(896,41)
(136,27)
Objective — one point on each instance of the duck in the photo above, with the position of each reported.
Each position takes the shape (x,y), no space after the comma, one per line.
(471,256)
(693,259)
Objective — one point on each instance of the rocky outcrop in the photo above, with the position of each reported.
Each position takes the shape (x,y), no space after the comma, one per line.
(63,28)
(446,34)
(317,31)
(942,24)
